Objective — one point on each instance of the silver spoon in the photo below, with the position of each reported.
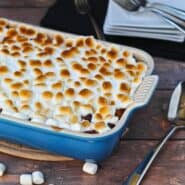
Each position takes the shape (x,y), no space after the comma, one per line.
(83,7)
(176,115)
(174,16)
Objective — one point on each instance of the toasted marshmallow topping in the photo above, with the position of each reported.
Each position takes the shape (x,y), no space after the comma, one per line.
(67,83)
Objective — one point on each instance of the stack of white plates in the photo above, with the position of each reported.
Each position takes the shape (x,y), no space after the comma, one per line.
(121,22)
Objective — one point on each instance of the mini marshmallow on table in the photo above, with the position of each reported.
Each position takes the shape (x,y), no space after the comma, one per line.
(2,169)
(26,179)
(90,168)
(38,177)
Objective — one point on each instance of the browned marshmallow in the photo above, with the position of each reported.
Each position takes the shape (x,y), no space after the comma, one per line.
(25,94)
(47,95)
(85,93)
(3,70)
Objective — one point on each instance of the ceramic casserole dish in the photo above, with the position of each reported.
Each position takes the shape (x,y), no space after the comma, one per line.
(84,146)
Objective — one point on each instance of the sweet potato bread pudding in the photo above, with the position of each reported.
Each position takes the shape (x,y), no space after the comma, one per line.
(74,83)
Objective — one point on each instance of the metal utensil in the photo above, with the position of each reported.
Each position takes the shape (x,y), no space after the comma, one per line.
(170,9)
(176,115)
(83,7)
(174,16)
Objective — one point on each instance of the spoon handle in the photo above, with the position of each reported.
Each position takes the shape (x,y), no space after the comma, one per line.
(169,9)
(97,29)
(137,175)
(178,22)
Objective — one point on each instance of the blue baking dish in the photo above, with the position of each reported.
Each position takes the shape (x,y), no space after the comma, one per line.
(83,146)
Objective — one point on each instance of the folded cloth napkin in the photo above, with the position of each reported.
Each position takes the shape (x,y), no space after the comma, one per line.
(63,16)
(141,23)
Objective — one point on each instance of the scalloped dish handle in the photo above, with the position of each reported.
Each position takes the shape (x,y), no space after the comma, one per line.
(145,90)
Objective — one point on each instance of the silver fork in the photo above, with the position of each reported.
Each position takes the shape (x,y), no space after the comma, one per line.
(83,7)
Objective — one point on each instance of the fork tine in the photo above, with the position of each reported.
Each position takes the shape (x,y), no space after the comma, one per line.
(82,6)
(87,4)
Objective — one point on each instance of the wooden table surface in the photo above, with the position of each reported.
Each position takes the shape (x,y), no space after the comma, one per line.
(147,126)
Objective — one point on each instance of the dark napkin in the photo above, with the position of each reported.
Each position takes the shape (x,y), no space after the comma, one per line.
(63,16)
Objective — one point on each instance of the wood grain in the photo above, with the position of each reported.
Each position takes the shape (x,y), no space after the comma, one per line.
(151,122)
(167,169)
(170,72)
(28,15)
(26,3)
(21,151)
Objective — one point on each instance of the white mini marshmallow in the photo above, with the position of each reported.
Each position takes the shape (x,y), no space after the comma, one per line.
(38,118)
(3,96)
(38,177)
(19,115)
(85,110)
(51,122)
(2,169)
(90,168)
(75,127)
(6,112)
(26,179)
(112,119)
(131,60)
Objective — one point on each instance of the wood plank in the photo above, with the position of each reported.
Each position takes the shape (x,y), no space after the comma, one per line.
(167,169)
(28,15)
(169,71)
(26,3)
(150,122)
